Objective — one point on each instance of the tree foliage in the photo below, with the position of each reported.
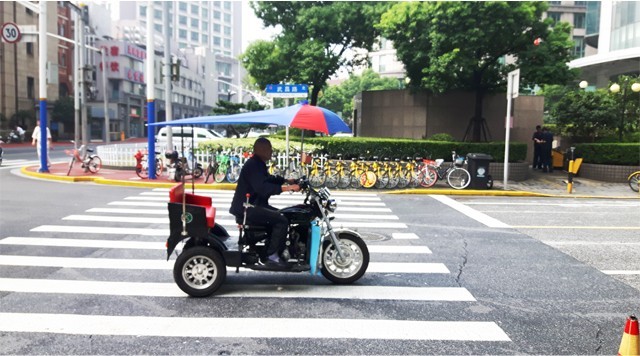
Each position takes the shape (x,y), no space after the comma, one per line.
(339,98)
(453,45)
(314,39)
(224,107)
(63,110)
(586,114)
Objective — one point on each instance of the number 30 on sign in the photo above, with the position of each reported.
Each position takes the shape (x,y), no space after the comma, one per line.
(10,32)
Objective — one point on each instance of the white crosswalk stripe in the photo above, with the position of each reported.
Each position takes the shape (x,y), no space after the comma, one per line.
(142,222)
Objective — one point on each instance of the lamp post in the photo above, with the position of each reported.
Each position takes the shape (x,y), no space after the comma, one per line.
(615,88)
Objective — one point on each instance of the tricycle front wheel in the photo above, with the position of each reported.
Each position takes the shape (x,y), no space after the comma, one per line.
(199,271)
(352,266)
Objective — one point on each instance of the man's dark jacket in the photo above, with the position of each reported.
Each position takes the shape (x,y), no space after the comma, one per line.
(255,180)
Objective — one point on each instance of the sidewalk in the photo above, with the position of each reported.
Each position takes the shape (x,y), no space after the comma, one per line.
(538,185)
(27,143)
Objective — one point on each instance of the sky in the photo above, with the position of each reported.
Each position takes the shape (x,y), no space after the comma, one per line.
(252,28)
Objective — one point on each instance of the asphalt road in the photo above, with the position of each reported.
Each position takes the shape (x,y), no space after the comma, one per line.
(80,275)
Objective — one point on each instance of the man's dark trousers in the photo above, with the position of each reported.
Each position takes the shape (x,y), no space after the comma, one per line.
(268,217)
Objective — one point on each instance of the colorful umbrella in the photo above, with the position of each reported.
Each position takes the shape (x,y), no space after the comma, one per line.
(301,115)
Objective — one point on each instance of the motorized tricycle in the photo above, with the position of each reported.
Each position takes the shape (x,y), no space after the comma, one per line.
(312,244)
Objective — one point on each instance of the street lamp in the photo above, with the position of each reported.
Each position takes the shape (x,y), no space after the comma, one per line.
(615,88)
(583,84)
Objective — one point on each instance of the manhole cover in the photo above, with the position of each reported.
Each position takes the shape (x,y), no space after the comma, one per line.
(372,236)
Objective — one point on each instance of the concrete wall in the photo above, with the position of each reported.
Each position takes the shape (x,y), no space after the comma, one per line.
(400,114)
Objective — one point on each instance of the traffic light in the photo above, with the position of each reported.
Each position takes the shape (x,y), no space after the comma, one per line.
(175,71)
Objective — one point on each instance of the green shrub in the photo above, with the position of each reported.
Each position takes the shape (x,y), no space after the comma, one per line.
(442,137)
(626,154)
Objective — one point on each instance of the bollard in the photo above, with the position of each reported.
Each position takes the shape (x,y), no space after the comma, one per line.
(121,135)
(570,181)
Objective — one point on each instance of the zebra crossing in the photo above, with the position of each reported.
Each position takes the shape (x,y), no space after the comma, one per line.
(113,246)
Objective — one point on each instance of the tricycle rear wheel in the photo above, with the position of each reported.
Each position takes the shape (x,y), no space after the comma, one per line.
(199,271)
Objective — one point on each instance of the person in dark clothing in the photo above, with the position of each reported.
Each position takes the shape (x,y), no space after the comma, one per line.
(537,148)
(545,153)
(256,181)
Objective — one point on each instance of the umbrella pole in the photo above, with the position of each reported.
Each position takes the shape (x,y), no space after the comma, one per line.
(301,149)
(287,150)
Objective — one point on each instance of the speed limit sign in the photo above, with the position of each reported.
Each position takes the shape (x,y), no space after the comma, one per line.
(10,32)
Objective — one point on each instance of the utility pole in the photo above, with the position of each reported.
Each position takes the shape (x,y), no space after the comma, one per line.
(83,96)
(104,96)
(168,95)
(76,78)
(42,69)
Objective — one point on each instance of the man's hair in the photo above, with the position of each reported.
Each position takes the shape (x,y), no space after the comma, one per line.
(261,142)
(537,127)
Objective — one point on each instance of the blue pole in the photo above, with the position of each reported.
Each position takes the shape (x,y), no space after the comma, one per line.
(151,118)
(44,165)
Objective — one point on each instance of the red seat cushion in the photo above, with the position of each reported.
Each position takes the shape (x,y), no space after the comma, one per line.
(175,196)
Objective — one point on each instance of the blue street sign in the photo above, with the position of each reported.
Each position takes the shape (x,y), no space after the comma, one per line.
(288,90)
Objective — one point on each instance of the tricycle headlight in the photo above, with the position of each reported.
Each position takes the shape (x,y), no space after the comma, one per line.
(331,205)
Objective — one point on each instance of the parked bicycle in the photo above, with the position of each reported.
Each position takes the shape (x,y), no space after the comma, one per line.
(183,166)
(90,162)
(142,164)
(634,181)
(457,176)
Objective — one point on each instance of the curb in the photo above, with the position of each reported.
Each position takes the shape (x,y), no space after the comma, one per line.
(232,186)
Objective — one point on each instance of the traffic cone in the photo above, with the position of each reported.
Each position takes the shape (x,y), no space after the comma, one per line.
(630,344)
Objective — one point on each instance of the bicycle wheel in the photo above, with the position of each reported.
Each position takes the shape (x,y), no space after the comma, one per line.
(220,174)
(73,160)
(382,180)
(197,172)
(331,177)
(414,178)
(344,178)
(233,173)
(159,167)
(95,163)
(428,177)
(634,181)
(368,179)
(142,171)
(458,178)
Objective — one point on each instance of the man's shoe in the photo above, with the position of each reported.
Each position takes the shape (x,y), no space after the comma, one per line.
(275,261)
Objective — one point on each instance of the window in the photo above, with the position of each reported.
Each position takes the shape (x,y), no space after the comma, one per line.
(61,30)
(216,41)
(182,20)
(195,36)
(205,13)
(227,53)
(216,4)
(158,28)
(227,5)
(195,23)
(30,49)
(143,11)
(63,60)
(31,83)
(216,15)
(157,14)
(29,12)
(216,27)
(578,20)
(205,39)
(555,3)
(195,10)
(580,3)
(578,47)
(182,45)
(555,16)
(205,26)
(227,30)
(227,43)
(227,18)
(182,34)
(182,6)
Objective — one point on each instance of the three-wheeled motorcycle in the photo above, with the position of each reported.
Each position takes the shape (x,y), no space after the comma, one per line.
(312,244)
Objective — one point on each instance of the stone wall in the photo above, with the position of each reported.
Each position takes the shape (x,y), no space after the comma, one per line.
(606,172)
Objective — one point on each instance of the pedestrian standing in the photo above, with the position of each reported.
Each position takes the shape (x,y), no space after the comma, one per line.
(545,153)
(537,148)
(35,141)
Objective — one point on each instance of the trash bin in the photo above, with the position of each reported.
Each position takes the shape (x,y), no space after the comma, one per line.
(478,166)
(557,158)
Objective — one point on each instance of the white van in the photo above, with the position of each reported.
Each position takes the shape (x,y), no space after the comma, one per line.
(199,134)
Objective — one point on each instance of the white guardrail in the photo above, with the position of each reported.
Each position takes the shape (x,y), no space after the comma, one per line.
(122,155)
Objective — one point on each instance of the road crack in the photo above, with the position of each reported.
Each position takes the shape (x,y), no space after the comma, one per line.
(464,262)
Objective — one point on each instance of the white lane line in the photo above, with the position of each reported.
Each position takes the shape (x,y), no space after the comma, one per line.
(131,211)
(227,223)
(470,212)
(341,208)
(590,243)
(272,201)
(151,245)
(231,192)
(555,227)
(294,198)
(143,289)
(161,264)
(103,230)
(565,205)
(404,236)
(621,272)
(252,327)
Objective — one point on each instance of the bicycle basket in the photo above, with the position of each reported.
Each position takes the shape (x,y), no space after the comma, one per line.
(306,158)
(459,162)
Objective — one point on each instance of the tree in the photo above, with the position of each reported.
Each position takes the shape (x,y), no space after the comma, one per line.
(586,114)
(339,98)
(314,39)
(449,45)
(63,110)
(228,108)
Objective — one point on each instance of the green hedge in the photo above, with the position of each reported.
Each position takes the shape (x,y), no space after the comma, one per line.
(403,148)
(625,154)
